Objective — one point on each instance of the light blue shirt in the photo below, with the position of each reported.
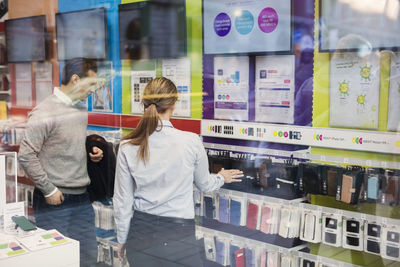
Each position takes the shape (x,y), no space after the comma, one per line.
(164,186)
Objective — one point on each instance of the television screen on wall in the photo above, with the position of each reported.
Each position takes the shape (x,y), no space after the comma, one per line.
(152,29)
(82,34)
(26,39)
(237,26)
(357,25)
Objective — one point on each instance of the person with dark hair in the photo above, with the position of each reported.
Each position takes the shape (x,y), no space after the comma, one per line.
(157,166)
(53,155)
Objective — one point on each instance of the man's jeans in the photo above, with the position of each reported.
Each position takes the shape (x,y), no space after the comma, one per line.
(74,218)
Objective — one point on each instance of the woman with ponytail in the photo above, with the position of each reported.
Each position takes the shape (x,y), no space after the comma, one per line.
(157,166)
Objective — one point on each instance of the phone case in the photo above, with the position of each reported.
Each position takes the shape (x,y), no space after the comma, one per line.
(23,223)
(286,261)
(353,235)
(273,259)
(252,216)
(332,177)
(263,260)
(283,227)
(374,230)
(263,173)
(347,188)
(235,213)
(209,207)
(393,237)
(392,191)
(223,211)
(232,256)
(307,263)
(249,257)
(309,227)
(331,223)
(353,226)
(310,178)
(209,248)
(373,187)
(239,258)
(373,247)
(220,252)
(266,213)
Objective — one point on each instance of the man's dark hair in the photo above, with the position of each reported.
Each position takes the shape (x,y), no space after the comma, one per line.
(78,66)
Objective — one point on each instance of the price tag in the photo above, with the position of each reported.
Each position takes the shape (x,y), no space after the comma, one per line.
(346,160)
(323,158)
(384,164)
(368,163)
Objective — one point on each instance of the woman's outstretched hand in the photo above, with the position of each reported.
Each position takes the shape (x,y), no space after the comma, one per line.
(231,176)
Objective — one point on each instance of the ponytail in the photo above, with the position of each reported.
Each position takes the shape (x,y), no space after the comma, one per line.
(159,94)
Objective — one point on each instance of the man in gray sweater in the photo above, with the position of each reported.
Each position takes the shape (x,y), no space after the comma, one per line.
(53,154)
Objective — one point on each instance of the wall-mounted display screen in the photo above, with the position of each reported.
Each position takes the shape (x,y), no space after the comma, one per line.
(357,25)
(82,34)
(152,29)
(26,39)
(236,26)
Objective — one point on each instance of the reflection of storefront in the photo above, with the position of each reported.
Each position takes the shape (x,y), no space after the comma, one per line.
(301,95)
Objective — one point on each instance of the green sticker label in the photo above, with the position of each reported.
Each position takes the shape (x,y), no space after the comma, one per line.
(15,252)
(61,241)
(47,236)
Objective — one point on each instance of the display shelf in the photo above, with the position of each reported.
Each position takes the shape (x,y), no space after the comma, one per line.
(346,255)
(262,197)
(381,142)
(243,231)
(299,203)
(295,251)
(209,231)
(350,214)
(321,259)
(306,155)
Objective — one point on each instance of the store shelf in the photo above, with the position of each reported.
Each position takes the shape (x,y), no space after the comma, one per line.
(261,197)
(381,142)
(349,214)
(306,155)
(295,251)
(254,235)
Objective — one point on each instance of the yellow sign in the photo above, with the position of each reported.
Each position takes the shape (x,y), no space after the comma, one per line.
(3,110)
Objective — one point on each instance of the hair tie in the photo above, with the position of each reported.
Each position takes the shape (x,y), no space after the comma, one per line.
(151,103)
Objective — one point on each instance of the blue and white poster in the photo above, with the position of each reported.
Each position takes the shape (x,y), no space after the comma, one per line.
(178,71)
(236,26)
(231,88)
(275,89)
